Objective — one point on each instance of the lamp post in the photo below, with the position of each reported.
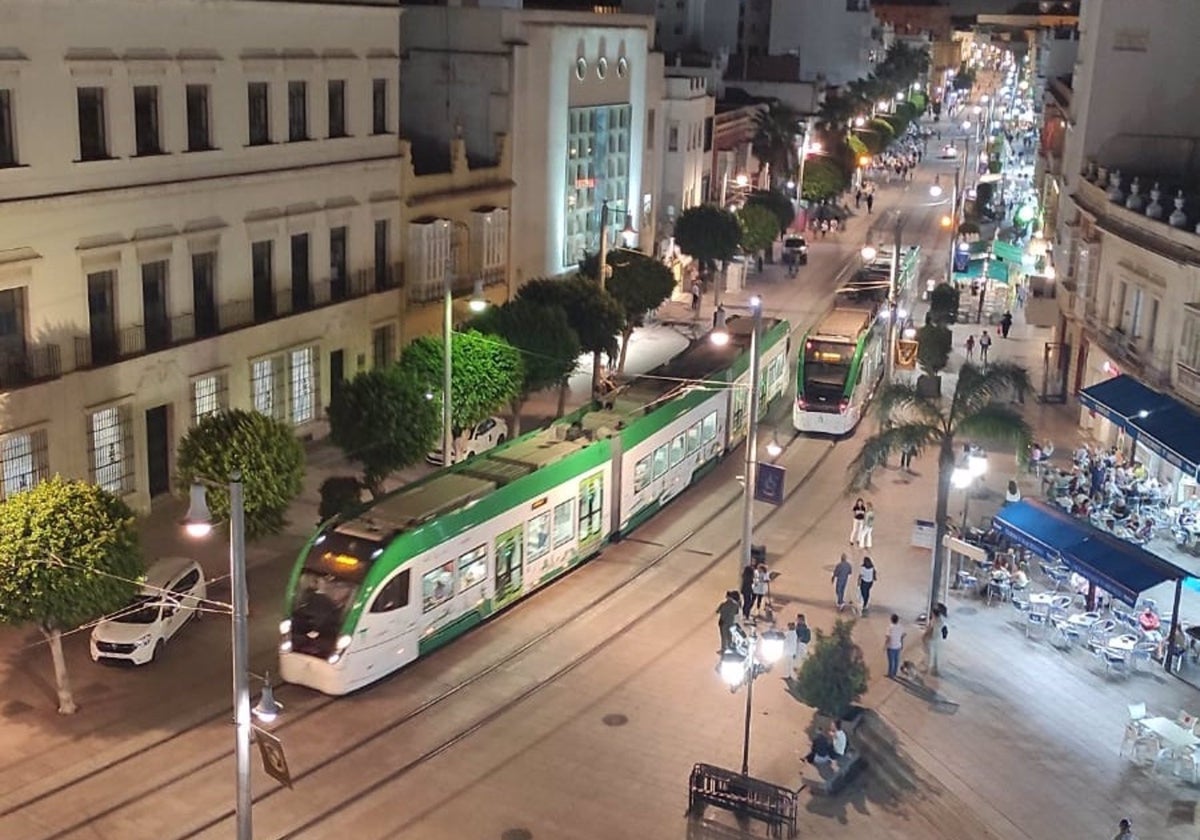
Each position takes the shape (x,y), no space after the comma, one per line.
(199,524)
(721,336)
(738,669)
(478,304)
(964,478)
(935,190)
(889,363)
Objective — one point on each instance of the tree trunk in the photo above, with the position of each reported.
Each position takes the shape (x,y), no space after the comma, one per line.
(595,374)
(514,426)
(626,334)
(945,470)
(562,399)
(62,682)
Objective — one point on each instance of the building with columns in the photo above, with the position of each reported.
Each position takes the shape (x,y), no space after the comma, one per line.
(199,209)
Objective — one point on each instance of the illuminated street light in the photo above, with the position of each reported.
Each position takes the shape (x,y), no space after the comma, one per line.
(868,253)
(738,669)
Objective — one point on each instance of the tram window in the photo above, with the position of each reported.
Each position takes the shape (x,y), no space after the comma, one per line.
(677,446)
(591,507)
(641,474)
(392,595)
(472,567)
(564,527)
(437,587)
(539,536)
(693,439)
(710,427)
(660,461)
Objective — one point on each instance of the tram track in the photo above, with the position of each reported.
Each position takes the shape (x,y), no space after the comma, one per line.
(464,732)
(301,712)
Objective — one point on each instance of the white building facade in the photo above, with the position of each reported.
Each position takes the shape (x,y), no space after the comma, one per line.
(199,209)
(687,124)
(570,90)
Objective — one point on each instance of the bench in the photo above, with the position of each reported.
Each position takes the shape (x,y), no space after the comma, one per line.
(832,782)
(745,796)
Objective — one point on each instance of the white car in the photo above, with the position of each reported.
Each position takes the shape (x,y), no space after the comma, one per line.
(487,434)
(948,152)
(172,593)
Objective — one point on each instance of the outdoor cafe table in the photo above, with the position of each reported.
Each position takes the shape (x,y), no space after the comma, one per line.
(1123,644)
(1173,735)
(1041,600)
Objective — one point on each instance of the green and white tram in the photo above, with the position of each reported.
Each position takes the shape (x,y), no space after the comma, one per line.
(840,363)
(415,569)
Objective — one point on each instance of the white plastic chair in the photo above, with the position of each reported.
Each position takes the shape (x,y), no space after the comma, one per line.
(1115,663)
(1035,622)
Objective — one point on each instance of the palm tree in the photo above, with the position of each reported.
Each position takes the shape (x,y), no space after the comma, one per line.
(975,412)
(774,141)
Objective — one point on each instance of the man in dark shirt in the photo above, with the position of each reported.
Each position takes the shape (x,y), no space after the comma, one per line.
(726,617)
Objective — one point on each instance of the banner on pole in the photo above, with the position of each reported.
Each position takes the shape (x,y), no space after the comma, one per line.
(768,483)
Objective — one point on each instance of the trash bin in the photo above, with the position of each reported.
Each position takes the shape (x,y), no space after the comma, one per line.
(758,553)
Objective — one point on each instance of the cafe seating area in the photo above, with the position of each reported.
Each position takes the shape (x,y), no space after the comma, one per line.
(1166,746)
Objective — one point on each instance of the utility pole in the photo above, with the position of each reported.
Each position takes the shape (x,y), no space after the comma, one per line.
(893,303)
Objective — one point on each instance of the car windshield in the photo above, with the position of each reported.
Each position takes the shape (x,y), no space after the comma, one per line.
(142,610)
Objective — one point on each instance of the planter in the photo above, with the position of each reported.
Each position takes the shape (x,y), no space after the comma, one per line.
(929,386)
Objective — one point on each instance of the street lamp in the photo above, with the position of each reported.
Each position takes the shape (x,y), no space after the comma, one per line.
(198,524)
(738,669)
(936,190)
(720,337)
(868,253)
(964,477)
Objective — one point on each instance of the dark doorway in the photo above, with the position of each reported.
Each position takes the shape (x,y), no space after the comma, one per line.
(158,442)
(337,370)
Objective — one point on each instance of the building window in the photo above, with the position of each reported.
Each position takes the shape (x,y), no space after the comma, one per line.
(147,138)
(383,345)
(285,386)
(1189,347)
(338,268)
(673,137)
(210,395)
(650,130)
(383,250)
(93,133)
(379,106)
(110,448)
(199,132)
(297,111)
(597,171)
(428,258)
(302,366)
(262,271)
(8,142)
(301,273)
(24,461)
(337,108)
(204,294)
(258,113)
(156,325)
(494,242)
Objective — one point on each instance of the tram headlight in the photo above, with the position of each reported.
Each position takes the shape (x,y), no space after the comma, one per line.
(285,627)
(343,642)
(285,646)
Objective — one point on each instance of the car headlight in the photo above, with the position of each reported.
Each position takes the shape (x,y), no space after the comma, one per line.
(143,640)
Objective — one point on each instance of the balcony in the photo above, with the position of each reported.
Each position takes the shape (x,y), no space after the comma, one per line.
(96,350)
(461,284)
(21,366)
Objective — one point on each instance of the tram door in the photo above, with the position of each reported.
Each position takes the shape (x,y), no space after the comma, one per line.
(509,555)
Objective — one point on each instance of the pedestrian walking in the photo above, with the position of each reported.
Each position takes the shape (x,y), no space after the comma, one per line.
(747,590)
(1125,831)
(841,574)
(1005,324)
(727,617)
(858,197)
(719,317)
(894,645)
(906,455)
(803,637)
(985,343)
(760,584)
(858,514)
(696,298)
(867,529)
(870,202)
(970,345)
(866,579)
(935,633)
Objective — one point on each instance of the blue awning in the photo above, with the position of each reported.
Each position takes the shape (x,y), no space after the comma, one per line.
(1120,568)
(1172,433)
(1121,399)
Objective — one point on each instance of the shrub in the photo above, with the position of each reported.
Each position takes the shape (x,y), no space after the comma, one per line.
(834,674)
(340,494)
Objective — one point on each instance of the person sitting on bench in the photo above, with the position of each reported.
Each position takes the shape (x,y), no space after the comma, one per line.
(828,746)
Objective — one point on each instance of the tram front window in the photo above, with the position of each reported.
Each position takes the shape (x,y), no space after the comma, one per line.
(335,568)
(826,366)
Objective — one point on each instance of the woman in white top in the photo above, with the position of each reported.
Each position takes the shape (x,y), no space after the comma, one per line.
(762,581)
(859,513)
(866,579)
(867,529)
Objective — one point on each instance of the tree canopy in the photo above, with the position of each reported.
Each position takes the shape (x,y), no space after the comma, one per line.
(759,228)
(486,373)
(774,141)
(639,283)
(708,233)
(593,313)
(778,203)
(266,451)
(933,347)
(68,555)
(834,673)
(823,179)
(549,347)
(383,420)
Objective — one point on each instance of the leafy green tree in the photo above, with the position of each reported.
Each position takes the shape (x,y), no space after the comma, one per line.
(266,451)
(943,304)
(639,284)
(934,342)
(834,673)
(977,411)
(709,234)
(778,203)
(824,179)
(593,313)
(68,555)
(774,141)
(340,494)
(759,228)
(486,373)
(549,347)
(383,420)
